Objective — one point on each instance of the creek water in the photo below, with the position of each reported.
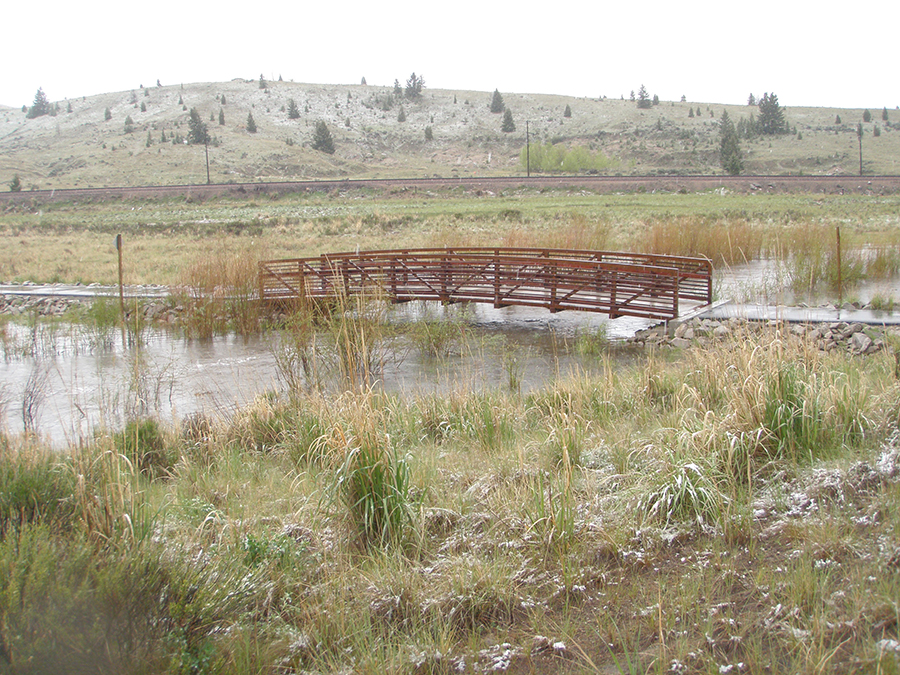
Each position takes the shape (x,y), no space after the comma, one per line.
(65,381)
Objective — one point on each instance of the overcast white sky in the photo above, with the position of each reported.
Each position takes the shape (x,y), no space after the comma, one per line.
(809,53)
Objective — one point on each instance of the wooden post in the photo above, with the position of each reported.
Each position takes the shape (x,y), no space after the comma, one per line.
(121,289)
(839,280)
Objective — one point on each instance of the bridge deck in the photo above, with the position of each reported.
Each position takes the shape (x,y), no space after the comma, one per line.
(613,283)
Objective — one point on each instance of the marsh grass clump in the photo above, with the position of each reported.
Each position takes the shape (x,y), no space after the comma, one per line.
(374,478)
(728,241)
(593,343)
(34,487)
(683,492)
(146,447)
(438,338)
(218,291)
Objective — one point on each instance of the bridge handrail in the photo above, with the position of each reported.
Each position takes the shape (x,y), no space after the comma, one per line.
(613,282)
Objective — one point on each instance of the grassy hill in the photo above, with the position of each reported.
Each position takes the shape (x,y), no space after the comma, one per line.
(82,149)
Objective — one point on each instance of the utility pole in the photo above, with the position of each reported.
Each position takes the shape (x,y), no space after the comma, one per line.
(527,152)
(206,145)
(859,135)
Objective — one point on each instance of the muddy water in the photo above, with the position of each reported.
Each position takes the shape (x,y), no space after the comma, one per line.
(67,381)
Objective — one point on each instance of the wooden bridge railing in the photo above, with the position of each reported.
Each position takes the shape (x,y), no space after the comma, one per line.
(613,283)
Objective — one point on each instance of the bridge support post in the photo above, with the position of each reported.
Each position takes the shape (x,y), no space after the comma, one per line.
(496,279)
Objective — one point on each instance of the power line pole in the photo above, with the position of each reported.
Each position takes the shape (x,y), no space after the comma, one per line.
(527,152)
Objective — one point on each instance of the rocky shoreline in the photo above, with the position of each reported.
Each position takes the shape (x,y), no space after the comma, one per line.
(855,338)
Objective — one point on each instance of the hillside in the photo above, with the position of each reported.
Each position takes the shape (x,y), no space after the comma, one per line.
(82,149)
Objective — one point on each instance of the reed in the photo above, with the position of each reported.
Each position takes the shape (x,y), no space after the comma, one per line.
(724,241)
(219,289)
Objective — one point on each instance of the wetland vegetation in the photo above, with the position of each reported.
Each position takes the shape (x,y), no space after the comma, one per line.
(733,507)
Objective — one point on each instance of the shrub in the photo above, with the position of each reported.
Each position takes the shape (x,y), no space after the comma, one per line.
(107,115)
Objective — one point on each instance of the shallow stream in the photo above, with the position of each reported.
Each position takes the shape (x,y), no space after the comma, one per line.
(65,381)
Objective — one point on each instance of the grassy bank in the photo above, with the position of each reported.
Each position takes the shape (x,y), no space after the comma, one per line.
(734,507)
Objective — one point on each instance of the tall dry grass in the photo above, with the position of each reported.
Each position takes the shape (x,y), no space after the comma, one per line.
(219,291)
(724,241)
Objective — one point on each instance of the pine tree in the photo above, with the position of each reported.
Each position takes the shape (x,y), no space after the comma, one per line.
(222,101)
(751,100)
(643,99)
(129,124)
(198,134)
(15,185)
(655,99)
(162,137)
(568,111)
(107,115)
(691,112)
(398,90)
(429,134)
(41,105)
(363,81)
(508,124)
(867,116)
(837,119)
(497,105)
(401,116)
(729,148)
(143,107)
(414,86)
(69,107)
(262,82)
(251,123)
(149,140)
(293,110)
(221,117)
(884,115)
(771,116)
(322,140)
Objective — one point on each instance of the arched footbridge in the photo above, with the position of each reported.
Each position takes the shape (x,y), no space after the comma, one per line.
(609,282)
